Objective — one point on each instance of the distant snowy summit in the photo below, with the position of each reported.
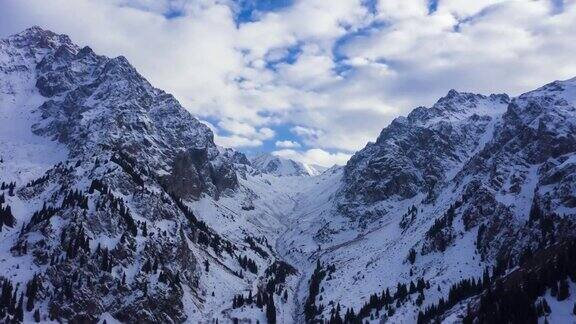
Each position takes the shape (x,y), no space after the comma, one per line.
(283,167)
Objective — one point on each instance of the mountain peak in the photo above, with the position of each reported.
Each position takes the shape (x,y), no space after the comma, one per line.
(456,106)
(565,90)
(452,93)
(87,91)
(42,38)
(456,96)
(36,29)
(280,166)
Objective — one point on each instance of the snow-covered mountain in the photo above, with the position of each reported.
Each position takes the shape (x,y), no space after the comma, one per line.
(473,188)
(98,172)
(116,205)
(280,166)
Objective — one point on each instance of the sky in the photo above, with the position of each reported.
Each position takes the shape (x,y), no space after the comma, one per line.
(315,80)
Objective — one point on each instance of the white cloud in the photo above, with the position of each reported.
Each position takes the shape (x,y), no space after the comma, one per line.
(309,21)
(242,135)
(309,72)
(236,141)
(349,71)
(465,8)
(315,156)
(287,144)
(247,130)
(306,133)
(504,47)
(401,9)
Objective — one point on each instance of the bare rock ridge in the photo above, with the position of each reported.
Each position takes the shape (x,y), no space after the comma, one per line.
(490,173)
(98,105)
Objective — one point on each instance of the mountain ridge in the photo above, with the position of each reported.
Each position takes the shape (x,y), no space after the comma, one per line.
(129,156)
(280,166)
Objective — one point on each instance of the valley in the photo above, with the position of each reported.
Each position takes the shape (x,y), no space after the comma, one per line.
(117,205)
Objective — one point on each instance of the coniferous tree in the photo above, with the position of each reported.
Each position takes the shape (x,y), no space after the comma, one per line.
(486,278)
(546,307)
(20,308)
(554,289)
(310,307)
(105,260)
(11,189)
(144,230)
(259,302)
(13,301)
(5,298)
(412,256)
(37,315)
(420,299)
(6,216)
(271,310)
(155,266)
(147,266)
(31,291)
(412,287)
(563,290)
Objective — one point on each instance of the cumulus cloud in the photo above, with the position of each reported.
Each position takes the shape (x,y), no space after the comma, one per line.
(334,72)
(287,144)
(245,129)
(236,141)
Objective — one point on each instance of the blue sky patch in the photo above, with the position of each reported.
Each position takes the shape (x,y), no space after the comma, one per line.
(248,10)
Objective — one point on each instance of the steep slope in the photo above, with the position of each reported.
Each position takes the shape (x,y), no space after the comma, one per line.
(418,154)
(474,182)
(279,166)
(114,199)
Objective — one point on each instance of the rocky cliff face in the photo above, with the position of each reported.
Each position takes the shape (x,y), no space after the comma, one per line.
(417,154)
(472,182)
(527,169)
(99,105)
(103,226)
(497,158)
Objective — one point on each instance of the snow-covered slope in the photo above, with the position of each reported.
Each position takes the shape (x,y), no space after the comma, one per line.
(280,166)
(473,183)
(116,204)
(110,191)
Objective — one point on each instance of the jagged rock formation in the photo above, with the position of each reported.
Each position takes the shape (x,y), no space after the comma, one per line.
(484,179)
(415,154)
(100,105)
(110,230)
